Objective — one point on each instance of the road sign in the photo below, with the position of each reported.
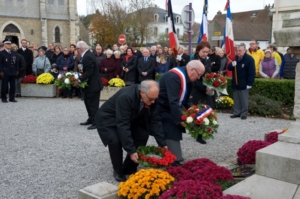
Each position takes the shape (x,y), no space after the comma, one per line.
(185,16)
(122,39)
(217,38)
(217,33)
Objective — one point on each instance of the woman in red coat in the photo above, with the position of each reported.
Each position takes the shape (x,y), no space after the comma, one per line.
(107,67)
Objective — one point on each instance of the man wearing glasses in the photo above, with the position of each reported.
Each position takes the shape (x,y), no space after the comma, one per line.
(175,88)
(124,122)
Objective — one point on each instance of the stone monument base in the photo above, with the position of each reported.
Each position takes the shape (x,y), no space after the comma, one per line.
(38,90)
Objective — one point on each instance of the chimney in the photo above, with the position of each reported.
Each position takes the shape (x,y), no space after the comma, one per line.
(219,12)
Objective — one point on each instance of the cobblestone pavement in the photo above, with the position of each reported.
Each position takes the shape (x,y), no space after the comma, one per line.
(46,154)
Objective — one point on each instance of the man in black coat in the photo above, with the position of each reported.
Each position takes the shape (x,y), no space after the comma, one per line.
(136,52)
(145,66)
(28,56)
(215,60)
(124,121)
(90,72)
(182,58)
(9,69)
(175,88)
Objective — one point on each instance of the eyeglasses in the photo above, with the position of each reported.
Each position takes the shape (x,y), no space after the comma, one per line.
(199,74)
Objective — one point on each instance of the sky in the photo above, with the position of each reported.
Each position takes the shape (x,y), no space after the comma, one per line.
(213,6)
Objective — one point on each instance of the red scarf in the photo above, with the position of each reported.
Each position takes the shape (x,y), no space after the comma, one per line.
(128,56)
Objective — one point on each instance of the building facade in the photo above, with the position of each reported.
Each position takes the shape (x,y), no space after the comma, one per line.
(39,21)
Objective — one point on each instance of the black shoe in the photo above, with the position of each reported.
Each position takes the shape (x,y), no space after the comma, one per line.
(79,96)
(18,95)
(4,101)
(176,163)
(86,123)
(13,100)
(200,140)
(244,117)
(234,116)
(119,178)
(92,127)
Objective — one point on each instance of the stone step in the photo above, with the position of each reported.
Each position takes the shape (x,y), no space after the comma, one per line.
(280,161)
(292,135)
(102,190)
(260,187)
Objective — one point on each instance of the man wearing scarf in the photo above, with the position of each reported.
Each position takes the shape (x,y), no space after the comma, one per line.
(175,88)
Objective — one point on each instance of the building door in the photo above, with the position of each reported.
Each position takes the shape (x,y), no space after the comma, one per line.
(13,33)
(13,39)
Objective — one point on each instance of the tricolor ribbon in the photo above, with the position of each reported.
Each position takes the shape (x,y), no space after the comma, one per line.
(204,113)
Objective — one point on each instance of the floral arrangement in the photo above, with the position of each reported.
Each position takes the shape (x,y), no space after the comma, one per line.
(224,102)
(104,81)
(272,137)
(156,157)
(66,80)
(217,82)
(246,154)
(228,196)
(200,119)
(45,78)
(29,79)
(116,82)
(190,189)
(148,184)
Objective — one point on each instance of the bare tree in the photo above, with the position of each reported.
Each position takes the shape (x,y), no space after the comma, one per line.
(141,18)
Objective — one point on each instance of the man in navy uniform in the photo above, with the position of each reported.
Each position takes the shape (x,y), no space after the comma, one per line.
(8,71)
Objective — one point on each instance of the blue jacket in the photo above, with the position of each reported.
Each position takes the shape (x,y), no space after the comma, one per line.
(63,61)
(161,69)
(245,72)
(8,63)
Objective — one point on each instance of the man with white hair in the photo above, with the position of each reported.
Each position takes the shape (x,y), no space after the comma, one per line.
(242,81)
(175,88)
(182,58)
(124,122)
(90,73)
(146,66)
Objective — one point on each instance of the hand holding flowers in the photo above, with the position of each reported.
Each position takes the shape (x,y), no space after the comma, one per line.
(69,79)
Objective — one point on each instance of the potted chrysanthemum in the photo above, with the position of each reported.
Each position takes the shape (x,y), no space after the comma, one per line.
(110,87)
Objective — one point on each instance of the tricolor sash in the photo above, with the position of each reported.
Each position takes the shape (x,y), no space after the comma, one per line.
(204,113)
(183,87)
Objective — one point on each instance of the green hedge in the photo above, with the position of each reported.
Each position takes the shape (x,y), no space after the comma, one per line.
(279,90)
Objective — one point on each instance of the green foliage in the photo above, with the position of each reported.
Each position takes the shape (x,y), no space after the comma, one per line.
(263,106)
(279,90)
(225,184)
(157,76)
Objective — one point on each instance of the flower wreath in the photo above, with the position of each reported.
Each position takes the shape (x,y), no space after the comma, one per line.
(156,157)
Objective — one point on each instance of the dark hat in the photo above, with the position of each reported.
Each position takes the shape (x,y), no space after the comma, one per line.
(6,41)
(44,48)
(54,65)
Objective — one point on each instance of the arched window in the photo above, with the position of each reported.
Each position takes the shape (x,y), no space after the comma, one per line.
(177,19)
(156,18)
(155,31)
(57,34)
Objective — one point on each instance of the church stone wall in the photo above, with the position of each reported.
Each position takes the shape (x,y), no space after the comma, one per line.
(64,27)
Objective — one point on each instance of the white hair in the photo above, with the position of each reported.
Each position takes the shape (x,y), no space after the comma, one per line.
(195,64)
(153,47)
(181,46)
(108,51)
(117,52)
(145,49)
(147,84)
(82,45)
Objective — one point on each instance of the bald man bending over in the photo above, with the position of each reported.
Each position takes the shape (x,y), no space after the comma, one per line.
(123,121)
(175,88)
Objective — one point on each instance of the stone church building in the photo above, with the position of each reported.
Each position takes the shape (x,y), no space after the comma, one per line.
(39,21)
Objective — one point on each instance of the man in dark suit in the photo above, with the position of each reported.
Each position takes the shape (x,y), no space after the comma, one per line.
(123,121)
(136,52)
(28,56)
(175,88)
(182,58)
(146,66)
(90,72)
(242,81)
(9,69)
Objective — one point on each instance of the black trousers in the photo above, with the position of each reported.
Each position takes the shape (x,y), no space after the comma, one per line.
(140,137)
(91,101)
(11,80)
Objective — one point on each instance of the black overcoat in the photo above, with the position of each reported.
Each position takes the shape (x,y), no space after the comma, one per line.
(130,77)
(120,112)
(148,66)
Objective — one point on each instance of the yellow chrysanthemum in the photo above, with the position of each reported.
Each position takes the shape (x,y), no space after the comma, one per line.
(45,78)
(145,183)
(116,82)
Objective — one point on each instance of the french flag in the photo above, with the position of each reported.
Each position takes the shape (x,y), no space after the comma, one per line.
(228,40)
(203,33)
(173,40)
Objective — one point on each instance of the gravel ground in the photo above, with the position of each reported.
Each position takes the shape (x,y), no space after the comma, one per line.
(46,154)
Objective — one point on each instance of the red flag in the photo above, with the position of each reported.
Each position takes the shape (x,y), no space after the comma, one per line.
(174,43)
